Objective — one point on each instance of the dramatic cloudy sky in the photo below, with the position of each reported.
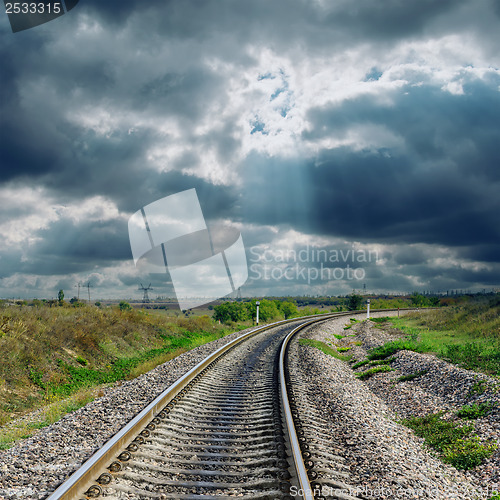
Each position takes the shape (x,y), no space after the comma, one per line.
(368,129)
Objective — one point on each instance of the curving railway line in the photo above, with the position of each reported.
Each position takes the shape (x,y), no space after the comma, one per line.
(230,427)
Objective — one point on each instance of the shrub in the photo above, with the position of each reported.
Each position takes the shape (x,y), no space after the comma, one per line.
(125,306)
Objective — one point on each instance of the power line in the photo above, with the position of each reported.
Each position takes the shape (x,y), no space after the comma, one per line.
(145,298)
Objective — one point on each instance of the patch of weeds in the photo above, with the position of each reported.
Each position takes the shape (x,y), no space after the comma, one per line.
(437,433)
(412,376)
(360,363)
(343,349)
(347,327)
(452,440)
(82,360)
(358,343)
(379,362)
(324,348)
(377,369)
(390,348)
(354,320)
(495,497)
(468,453)
(383,319)
(478,388)
(339,337)
(476,410)
(52,413)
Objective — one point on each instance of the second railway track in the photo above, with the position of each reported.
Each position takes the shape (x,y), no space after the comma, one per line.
(225,429)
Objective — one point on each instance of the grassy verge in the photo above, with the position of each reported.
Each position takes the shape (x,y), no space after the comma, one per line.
(467,335)
(50,354)
(455,442)
(52,413)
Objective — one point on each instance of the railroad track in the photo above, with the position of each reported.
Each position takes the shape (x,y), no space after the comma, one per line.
(228,428)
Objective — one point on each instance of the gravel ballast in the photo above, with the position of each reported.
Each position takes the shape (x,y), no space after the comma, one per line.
(387,460)
(381,459)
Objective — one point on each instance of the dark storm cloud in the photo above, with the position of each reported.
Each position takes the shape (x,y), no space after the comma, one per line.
(389,19)
(157,71)
(440,186)
(67,247)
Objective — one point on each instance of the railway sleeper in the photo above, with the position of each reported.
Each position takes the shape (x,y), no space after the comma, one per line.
(256,438)
(217,428)
(258,484)
(242,455)
(194,461)
(222,474)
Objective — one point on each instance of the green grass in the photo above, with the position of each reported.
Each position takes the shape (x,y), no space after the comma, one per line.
(343,349)
(360,363)
(378,362)
(475,410)
(59,351)
(339,337)
(10,434)
(411,376)
(371,371)
(324,348)
(478,388)
(454,441)
(390,348)
(466,335)
(383,319)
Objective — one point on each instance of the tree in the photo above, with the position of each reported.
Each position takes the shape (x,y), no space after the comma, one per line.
(268,309)
(289,309)
(125,306)
(230,312)
(419,300)
(60,297)
(354,302)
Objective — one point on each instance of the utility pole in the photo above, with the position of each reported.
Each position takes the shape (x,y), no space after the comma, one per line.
(88,285)
(78,285)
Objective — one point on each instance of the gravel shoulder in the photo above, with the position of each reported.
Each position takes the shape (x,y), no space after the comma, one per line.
(387,460)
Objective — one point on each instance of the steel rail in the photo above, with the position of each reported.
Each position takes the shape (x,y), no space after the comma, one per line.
(76,486)
(85,477)
(304,484)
